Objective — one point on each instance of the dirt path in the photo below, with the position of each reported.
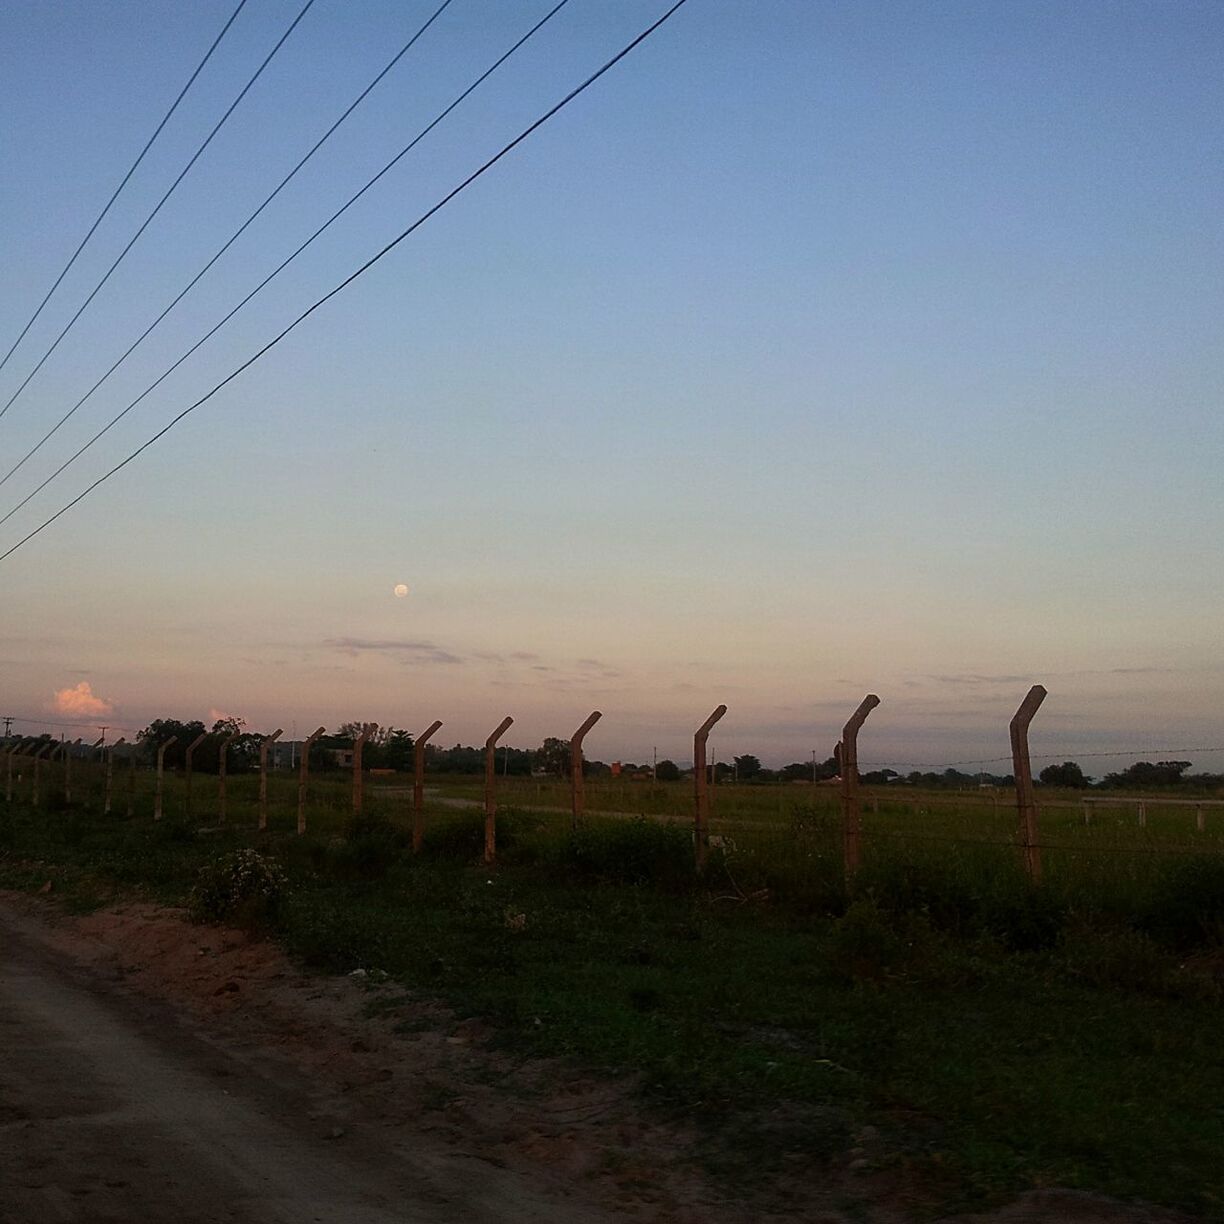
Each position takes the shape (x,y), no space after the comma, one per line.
(115,1107)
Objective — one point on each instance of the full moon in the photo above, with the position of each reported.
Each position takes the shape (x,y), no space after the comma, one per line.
(401,589)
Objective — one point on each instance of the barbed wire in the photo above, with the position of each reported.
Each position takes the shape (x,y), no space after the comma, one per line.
(1067,755)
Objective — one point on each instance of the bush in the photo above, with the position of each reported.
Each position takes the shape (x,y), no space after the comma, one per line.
(1186,909)
(372,844)
(637,851)
(241,887)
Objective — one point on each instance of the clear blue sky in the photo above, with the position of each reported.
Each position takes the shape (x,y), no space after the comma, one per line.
(818,349)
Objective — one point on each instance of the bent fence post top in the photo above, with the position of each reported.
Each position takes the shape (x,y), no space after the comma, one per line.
(848,765)
(161,773)
(577,790)
(264,745)
(303,774)
(367,729)
(701,813)
(1026,802)
(418,785)
(222,748)
(195,743)
(490,852)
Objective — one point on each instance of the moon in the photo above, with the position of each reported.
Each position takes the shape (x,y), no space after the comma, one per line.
(401,590)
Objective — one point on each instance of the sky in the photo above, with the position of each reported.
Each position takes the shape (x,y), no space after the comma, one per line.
(815,350)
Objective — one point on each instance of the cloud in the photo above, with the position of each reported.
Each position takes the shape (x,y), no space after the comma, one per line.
(81,702)
(405,651)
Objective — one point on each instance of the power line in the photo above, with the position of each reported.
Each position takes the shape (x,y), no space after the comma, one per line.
(288,260)
(157,208)
(128,175)
(230,242)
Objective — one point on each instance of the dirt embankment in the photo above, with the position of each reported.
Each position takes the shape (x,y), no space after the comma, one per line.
(159,1070)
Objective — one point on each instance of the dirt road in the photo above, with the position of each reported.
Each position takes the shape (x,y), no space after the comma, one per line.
(115,1107)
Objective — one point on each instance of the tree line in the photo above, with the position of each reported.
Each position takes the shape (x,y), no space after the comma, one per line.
(392,748)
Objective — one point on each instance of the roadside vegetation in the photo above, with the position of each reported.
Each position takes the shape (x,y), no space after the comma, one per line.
(945,1031)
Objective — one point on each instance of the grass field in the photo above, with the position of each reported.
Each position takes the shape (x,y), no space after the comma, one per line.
(996,1035)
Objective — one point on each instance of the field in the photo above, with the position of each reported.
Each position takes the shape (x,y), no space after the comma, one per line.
(985,1035)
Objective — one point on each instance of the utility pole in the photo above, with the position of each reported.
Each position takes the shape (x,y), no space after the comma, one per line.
(813,766)
(654,769)
(8,726)
(103,730)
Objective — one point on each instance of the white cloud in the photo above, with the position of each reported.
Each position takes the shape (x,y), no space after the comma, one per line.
(81,701)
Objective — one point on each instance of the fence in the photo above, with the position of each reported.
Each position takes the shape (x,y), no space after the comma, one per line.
(30,762)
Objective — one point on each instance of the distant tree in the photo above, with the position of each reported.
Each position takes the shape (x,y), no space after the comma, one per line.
(1067,774)
(553,756)
(667,771)
(747,767)
(160,730)
(1145,774)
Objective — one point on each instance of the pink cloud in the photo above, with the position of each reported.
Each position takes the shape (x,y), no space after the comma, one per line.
(81,701)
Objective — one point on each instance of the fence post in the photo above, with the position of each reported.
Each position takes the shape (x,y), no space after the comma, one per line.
(1087,808)
(131,803)
(303,774)
(110,775)
(577,789)
(195,743)
(1026,803)
(38,768)
(490,851)
(222,750)
(367,729)
(161,773)
(68,747)
(1200,822)
(701,811)
(1142,814)
(852,824)
(418,786)
(13,751)
(264,744)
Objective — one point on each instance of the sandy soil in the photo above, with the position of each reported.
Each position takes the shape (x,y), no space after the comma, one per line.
(155,1070)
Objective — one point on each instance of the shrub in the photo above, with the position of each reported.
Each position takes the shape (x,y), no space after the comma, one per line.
(372,844)
(637,851)
(241,887)
(1186,909)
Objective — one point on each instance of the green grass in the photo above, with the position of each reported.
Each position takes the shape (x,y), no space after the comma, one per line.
(999,1037)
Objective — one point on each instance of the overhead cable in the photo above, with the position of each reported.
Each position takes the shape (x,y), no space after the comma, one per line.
(157,208)
(365,267)
(288,260)
(229,242)
(115,194)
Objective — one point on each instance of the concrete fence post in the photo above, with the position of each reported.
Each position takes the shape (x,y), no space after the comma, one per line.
(1200,822)
(1026,802)
(367,729)
(490,851)
(577,785)
(222,753)
(132,762)
(701,810)
(68,770)
(303,774)
(264,745)
(195,743)
(852,820)
(110,776)
(418,786)
(161,777)
(50,744)
(14,751)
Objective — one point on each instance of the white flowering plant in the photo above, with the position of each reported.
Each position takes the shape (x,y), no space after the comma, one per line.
(242,887)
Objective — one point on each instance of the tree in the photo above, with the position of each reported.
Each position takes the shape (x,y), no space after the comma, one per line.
(553,756)
(746,767)
(160,730)
(667,771)
(1067,774)
(1144,774)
